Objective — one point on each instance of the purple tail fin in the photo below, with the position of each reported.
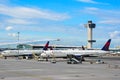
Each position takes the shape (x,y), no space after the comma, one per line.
(46,46)
(106,46)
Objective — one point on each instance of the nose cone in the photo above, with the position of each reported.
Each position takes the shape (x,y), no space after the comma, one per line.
(5,53)
(1,55)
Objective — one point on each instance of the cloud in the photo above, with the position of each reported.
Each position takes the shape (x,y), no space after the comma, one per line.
(31,13)
(8,28)
(20,21)
(12,34)
(104,16)
(92,2)
(88,1)
(91,10)
(115,34)
(110,21)
(100,12)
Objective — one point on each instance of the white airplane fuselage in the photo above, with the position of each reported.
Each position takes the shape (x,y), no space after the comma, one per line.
(64,53)
(20,52)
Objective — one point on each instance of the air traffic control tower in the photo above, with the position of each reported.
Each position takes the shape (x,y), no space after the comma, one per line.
(90,26)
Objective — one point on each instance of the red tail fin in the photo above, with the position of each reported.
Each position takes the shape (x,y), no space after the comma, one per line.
(46,46)
(106,46)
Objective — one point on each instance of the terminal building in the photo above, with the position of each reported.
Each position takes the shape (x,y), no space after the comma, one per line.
(40,47)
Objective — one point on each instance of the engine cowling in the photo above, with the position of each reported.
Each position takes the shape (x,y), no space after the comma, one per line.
(43,55)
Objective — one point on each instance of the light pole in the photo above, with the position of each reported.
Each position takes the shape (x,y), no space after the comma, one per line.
(18,36)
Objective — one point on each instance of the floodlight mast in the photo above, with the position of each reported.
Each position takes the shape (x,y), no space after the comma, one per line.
(18,42)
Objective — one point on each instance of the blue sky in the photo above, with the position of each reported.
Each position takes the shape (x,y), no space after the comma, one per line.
(63,19)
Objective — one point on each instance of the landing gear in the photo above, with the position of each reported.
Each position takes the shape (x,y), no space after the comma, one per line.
(5,57)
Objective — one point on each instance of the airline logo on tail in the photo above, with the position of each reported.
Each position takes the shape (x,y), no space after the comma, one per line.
(106,46)
(46,46)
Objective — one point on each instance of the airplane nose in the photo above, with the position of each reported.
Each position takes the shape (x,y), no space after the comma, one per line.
(2,53)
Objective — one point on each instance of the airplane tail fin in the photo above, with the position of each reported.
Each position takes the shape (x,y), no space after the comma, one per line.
(46,46)
(83,48)
(106,46)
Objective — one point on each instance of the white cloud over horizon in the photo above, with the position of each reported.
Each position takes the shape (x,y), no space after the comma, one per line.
(8,28)
(115,34)
(88,1)
(92,2)
(104,16)
(20,21)
(35,20)
(12,34)
(23,14)
(110,21)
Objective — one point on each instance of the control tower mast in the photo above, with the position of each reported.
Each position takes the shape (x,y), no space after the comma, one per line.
(90,26)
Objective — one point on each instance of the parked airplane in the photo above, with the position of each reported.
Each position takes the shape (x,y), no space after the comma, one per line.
(8,53)
(77,52)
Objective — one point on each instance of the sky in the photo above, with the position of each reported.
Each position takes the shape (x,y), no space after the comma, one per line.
(60,19)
